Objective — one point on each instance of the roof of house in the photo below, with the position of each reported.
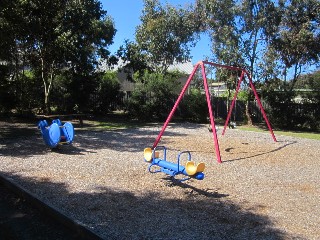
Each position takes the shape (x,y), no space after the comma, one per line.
(185,67)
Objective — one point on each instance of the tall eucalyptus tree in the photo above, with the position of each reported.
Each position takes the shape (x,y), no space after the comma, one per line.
(165,34)
(296,39)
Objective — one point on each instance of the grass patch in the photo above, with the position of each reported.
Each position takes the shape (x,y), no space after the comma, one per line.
(117,125)
(113,124)
(300,134)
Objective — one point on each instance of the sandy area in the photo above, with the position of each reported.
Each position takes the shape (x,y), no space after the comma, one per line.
(262,190)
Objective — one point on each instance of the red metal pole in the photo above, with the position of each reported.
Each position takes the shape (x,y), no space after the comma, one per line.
(223,66)
(214,132)
(261,107)
(233,102)
(175,105)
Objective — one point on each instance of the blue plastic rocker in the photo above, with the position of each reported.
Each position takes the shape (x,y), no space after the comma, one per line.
(56,133)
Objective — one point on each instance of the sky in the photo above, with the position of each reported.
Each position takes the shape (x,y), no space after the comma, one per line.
(126,15)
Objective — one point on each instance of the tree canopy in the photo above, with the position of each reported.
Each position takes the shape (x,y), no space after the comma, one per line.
(165,34)
(49,37)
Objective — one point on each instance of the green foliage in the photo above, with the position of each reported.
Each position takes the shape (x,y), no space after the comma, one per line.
(51,37)
(7,99)
(280,113)
(138,106)
(165,34)
(220,20)
(28,94)
(108,92)
(96,93)
(134,58)
(194,106)
(154,96)
(285,113)
(296,37)
(295,109)
(242,95)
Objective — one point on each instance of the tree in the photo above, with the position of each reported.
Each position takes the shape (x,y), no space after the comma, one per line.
(135,61)
(154,95)
(108,91)
(57,36)
(220,21)
(296,38)
(165,34)
(237,30)
(10,62)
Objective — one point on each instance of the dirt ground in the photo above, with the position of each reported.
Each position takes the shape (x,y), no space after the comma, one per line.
(262,190)
(277,180)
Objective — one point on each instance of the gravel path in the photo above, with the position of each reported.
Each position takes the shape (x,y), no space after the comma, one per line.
(262,190)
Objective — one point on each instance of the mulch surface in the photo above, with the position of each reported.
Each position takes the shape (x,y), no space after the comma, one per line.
(21,221)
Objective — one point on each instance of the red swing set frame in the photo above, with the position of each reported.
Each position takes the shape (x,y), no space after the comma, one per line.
(205,82)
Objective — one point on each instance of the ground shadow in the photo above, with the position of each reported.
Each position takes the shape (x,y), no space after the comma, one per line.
(115,214)
(210,193)
(25,140)
(259,154)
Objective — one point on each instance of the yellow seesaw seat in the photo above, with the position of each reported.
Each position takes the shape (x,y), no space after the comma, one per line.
(192,168)
(148,154)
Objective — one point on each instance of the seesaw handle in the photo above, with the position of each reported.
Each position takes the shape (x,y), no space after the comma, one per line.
(164,151)
(183,152)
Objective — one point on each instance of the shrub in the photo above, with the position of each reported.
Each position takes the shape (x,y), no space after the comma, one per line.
(194,106)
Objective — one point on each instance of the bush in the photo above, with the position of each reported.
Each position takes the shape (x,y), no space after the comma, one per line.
(194,106)
(154,96)
(108,92)
(287,114)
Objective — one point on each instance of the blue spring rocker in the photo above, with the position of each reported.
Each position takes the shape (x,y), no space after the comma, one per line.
(56,133)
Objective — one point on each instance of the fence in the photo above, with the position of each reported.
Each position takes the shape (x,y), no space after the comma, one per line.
(221,108)
(276,113)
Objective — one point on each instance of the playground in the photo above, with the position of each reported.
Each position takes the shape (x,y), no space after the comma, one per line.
(261,190)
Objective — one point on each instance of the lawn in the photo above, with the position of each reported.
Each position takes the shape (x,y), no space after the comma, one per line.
(300,134)
(113,124)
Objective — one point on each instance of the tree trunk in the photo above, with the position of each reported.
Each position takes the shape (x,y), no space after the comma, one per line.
(46,103)
(47,82)
(249,120)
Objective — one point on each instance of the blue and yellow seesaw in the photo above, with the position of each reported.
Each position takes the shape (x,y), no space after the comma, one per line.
(56,133)
(191,170)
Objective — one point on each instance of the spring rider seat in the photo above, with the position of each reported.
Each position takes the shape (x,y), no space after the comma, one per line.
(56,133)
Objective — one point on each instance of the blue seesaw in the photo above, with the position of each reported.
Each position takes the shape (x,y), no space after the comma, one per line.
(56,133)
(191,170)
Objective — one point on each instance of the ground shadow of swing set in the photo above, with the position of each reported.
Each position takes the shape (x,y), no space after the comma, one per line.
(190,169)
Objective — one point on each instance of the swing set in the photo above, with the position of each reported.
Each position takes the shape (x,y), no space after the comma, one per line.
(149,153)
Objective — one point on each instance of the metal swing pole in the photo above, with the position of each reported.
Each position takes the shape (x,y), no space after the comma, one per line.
(175,106)
(261,107)
(213,126)
(233,102)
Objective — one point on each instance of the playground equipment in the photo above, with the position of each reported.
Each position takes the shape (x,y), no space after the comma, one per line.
(191,170)
(56,133)
(205,83)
